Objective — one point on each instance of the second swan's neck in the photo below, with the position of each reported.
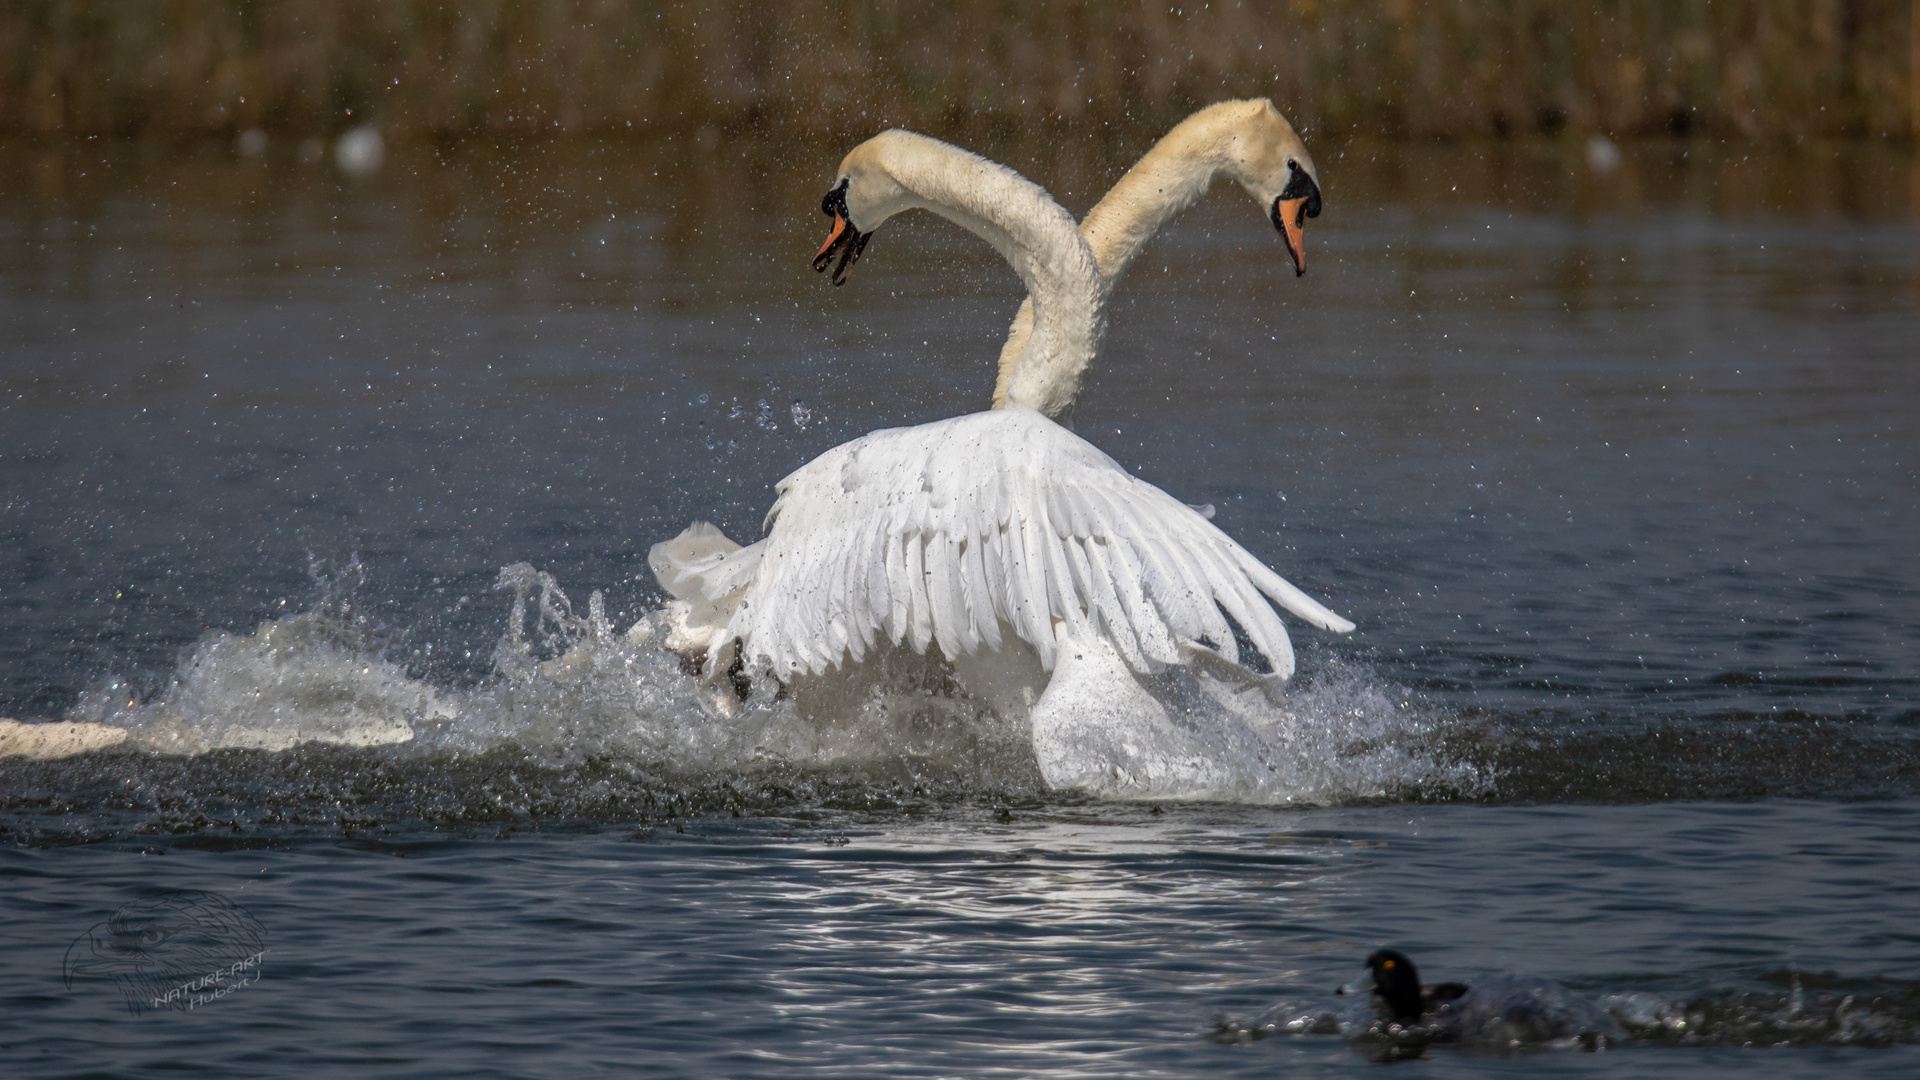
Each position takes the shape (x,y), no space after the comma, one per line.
(1171,177)
(1037,238)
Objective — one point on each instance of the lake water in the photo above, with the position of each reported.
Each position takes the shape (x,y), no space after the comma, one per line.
(1616,472)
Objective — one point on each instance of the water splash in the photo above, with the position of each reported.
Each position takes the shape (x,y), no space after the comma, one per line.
(570,692)
(1354,738)
(318,676)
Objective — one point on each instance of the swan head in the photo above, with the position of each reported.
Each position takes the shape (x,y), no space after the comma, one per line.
(845,242)
(1297,201)
(1271,162)
(866,193)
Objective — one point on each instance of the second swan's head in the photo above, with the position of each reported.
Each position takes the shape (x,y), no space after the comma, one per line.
(1270,161)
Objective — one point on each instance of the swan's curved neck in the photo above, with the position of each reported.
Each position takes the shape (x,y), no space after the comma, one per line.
(1209,145)
(899,170)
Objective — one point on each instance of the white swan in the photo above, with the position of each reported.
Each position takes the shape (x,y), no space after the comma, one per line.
(969,532)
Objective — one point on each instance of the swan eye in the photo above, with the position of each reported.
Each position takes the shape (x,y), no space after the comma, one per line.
(836,200)
(1301,186)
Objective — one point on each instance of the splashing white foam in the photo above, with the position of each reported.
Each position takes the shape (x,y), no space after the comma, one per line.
(567,688)
(289,682)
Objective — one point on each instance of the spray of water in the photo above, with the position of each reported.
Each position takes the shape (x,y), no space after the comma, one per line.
(318,676)
(570,688)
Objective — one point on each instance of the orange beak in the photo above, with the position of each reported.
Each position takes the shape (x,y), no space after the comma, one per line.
(1297,202)
(1291,217)
(820,257)
(845,241)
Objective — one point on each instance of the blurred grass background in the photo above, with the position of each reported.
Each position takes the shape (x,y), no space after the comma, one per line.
(1388,68)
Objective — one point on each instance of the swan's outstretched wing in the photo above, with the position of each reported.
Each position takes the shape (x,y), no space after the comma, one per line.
(705,573)
(685,564)
(941,533)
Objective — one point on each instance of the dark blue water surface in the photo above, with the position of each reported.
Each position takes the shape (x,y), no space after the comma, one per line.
(1096,942)
(1617,473)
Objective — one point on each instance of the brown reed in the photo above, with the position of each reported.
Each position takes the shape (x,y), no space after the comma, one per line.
(1393,68)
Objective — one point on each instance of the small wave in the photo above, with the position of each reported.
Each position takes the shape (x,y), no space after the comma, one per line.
(1813,1010)
(1514,1014)
(1501,1014)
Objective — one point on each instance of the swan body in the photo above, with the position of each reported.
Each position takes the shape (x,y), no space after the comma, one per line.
(946,533)
(1248,142)
(1016,549)
(993,534)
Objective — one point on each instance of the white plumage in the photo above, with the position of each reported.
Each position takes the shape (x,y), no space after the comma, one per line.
(963,533)
(952,533)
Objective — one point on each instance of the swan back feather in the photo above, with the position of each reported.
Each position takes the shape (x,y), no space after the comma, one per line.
(944,533)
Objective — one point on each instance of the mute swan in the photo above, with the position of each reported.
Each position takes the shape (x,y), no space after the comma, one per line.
(969,531)
(1248,142)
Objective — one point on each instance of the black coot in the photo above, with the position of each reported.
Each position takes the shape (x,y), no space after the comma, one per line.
(1397,982)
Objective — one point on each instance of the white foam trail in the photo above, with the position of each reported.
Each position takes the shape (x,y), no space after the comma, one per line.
(567,688)
(287,683)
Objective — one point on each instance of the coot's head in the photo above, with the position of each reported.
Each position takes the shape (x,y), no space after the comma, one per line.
(1397,983)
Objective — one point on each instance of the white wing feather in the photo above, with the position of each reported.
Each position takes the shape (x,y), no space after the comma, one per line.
(938,534)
